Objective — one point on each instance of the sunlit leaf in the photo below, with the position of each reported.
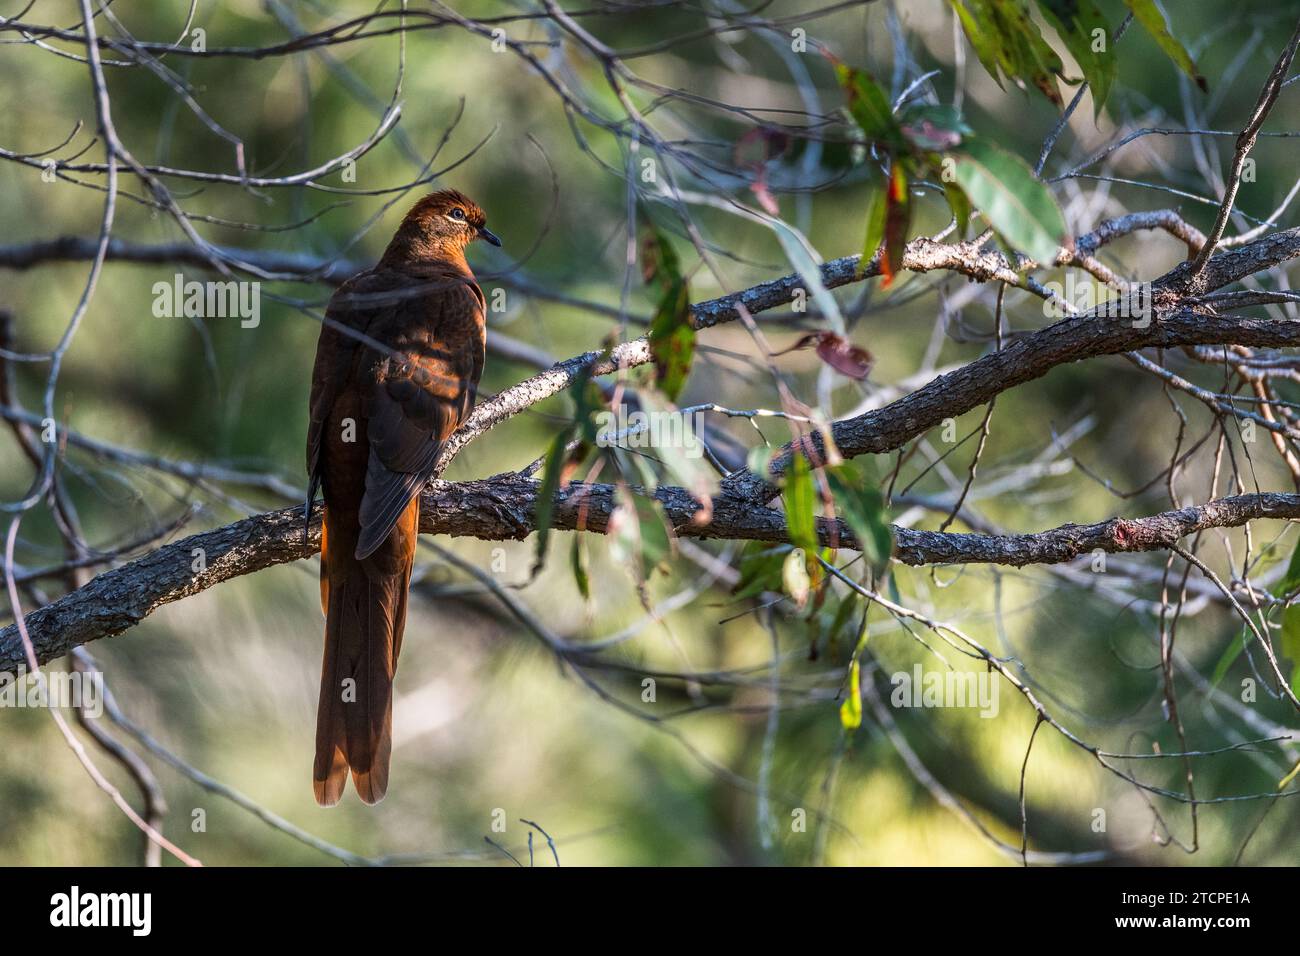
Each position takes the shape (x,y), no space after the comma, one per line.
(799,494)
(1011,197)
(851,706)
(794,577)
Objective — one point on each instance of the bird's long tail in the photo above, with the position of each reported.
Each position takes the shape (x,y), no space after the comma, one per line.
(365,613)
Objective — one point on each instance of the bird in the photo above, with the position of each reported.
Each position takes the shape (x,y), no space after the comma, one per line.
(398,362)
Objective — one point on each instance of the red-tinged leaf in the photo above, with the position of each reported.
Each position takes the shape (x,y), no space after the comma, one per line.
(837,352)
(759,146)
(930,128)
(754,151)
(926,136)
(765,199)
(845,357)
(672,339)
(672,331)
(659,262)
(898,216)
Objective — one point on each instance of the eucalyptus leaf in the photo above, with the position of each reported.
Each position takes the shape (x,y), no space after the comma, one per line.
(1011,197)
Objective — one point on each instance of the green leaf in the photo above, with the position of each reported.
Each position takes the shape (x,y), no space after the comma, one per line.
(642,540)
(679,447)
(761,570)
(1290,643)
(578,561)
(1153,21)
(1011,197)
(672,331)
(805,260)
(587,400)
(672,339)
(842,619)
(1007,40)
(1077,21)
(876,211)
(851,706)
(869,105)
(982,37)
(960,205)
(1230,655)
(862,507)
(551,470)
(1023,47)
(800,497)
(759,461)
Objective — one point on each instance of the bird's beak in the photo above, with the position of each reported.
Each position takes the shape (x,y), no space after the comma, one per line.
(485,233)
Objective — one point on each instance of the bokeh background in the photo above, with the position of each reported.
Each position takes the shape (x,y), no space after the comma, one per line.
(486,717)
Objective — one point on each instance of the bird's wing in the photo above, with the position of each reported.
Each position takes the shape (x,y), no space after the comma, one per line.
(338,350)
(416,402)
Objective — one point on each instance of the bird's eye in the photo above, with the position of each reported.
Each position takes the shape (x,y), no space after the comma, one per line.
(458,213)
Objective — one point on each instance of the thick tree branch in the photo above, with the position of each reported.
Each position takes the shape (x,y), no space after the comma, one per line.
(1034,354)
(503,508)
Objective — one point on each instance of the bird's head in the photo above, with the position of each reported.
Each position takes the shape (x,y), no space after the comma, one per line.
(440,226)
